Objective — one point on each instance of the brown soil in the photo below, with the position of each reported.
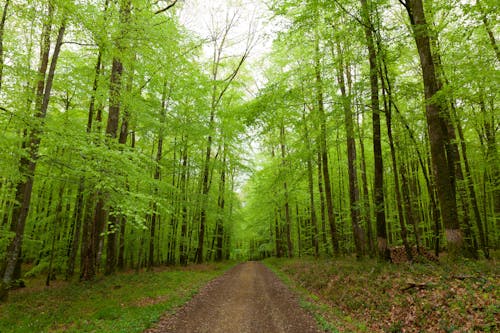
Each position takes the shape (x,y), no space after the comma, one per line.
(248,298)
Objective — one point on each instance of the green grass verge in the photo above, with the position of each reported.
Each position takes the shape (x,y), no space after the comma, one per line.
(125,302)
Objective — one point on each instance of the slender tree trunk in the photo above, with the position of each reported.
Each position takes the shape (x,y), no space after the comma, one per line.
(183,248)
(322,204)
(429,183)
(324,150)
(277,221)
(366,197)
(221,202)
(310,181)
(395,171)
(472,191)
(377,146)
(155,215)
(204,193)
(351,158)
(111,133)
(288,220)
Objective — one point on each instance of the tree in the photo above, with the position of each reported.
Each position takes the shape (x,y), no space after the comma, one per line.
(437,117)
(27,166)
(377,146)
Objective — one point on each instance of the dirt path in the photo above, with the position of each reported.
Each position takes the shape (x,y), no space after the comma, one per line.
(248,298)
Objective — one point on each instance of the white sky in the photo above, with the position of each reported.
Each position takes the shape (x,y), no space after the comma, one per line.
(253,16)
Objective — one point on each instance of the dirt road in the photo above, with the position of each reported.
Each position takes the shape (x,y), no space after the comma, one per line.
(247,299)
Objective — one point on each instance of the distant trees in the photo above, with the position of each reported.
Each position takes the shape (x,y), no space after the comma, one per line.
(350,60)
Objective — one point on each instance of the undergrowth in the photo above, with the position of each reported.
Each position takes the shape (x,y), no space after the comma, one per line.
(347,295)
(125,302)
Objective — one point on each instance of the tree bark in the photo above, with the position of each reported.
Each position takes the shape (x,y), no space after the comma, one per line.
(437,117)
(377,146)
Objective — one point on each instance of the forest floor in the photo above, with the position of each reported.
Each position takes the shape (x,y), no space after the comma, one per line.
(348,295)
(343,295)
(248,298)
(124,302)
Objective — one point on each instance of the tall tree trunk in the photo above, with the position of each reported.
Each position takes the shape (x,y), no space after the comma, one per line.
(288,220)
(324,149)
(351,157)
(155,215)
(437,116)
(221,202)
(111,133)
(366,197)
(322,204)
(377,146)
(429,184)
(27,166)
(115,96)
(205,190)
(472,190)
(310,182)
(183,248)
(399,203)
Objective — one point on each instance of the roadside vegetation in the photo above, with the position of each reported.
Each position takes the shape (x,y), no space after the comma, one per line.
(125,302)
(368,296)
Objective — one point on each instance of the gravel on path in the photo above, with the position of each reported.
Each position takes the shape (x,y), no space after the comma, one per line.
(248,298)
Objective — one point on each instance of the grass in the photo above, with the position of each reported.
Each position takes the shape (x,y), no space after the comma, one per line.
(347,295)
(125,302)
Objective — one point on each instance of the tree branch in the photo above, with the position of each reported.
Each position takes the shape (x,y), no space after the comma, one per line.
(159,11)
